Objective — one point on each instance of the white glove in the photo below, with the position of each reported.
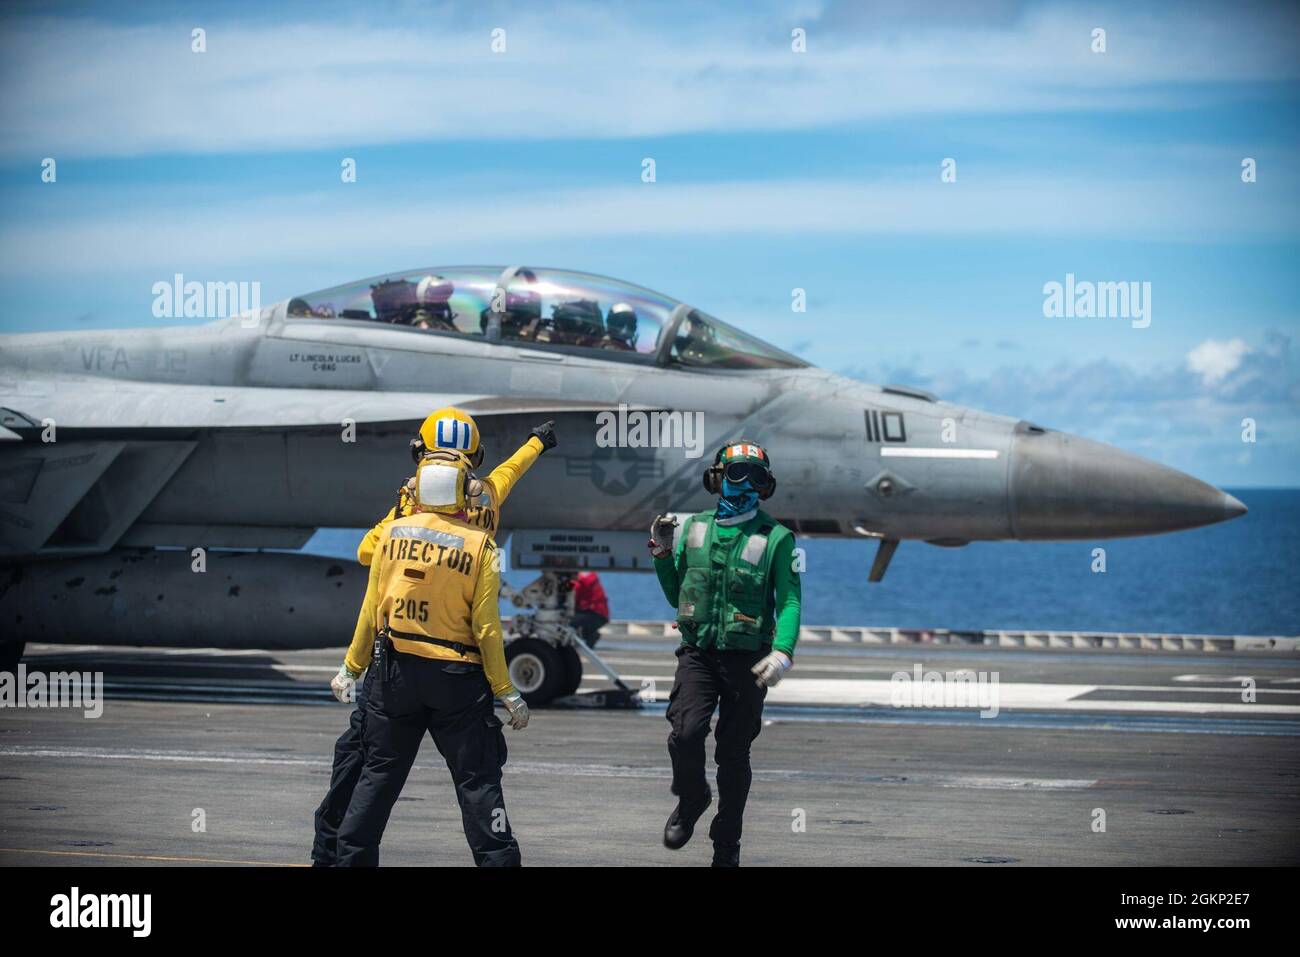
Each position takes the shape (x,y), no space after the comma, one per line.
(771,669)
(518,709)
(344,685)
(661,535)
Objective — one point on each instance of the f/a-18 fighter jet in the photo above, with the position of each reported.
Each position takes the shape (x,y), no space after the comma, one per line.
(123,452)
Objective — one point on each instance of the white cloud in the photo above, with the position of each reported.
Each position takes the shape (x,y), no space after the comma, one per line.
(1215,359)
(85,87)
(1172,413)
(310,226)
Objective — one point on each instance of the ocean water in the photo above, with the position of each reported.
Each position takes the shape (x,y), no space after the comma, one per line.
(1240,577)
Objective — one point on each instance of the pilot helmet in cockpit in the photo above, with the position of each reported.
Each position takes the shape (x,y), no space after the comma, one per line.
(392,299)
(577,322)
(432,304)
(523,309)
(620,327)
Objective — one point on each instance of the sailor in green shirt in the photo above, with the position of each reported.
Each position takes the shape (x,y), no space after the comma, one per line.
(732,578)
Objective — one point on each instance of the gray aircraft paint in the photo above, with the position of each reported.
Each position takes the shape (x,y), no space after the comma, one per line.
(229,435)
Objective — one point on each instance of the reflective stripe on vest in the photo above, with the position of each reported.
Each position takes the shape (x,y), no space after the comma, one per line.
(754,549)
(429,566)
(436,535)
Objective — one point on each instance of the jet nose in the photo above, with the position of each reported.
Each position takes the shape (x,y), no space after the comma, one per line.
(1063,486)
(1232,506)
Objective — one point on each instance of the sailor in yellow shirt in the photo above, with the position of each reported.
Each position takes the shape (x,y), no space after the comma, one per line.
(431,622)
(484,510)
(446,429)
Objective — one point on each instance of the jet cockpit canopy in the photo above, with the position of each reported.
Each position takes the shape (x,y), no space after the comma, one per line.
(551,309)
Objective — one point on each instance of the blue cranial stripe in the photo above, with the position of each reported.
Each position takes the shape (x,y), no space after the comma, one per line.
(453,434)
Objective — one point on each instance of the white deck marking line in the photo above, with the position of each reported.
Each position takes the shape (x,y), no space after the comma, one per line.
(568,769)
(1237,679)
(1196,689)
(1011,695)
(617,658)
(1181,707)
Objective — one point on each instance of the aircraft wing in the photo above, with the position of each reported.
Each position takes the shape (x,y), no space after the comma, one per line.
(97,404)
(102,478)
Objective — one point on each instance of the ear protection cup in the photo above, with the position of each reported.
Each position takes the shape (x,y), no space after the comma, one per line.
(765,493)
(419,450)
(713,480)
(713,474)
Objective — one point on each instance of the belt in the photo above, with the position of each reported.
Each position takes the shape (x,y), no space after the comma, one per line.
(459,647)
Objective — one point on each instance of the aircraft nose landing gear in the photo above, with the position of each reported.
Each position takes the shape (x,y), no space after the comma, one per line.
(544,652)
(537,671)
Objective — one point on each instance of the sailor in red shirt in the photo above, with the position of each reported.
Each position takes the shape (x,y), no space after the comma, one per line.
(591,608)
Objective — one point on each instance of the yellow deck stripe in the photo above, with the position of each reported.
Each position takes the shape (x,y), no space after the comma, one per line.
(145,857)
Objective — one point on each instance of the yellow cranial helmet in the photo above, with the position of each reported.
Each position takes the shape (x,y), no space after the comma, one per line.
(451,430)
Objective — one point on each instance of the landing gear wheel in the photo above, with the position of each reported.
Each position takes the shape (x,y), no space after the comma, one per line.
(572,662)
(536,669)
(10,654)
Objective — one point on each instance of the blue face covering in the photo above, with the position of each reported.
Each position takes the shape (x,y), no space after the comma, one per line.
(736,499)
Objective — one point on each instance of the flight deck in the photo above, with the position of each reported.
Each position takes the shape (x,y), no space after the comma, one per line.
(1095,755)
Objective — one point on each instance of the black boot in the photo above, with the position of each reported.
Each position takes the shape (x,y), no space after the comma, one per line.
(726,855)
(681,823)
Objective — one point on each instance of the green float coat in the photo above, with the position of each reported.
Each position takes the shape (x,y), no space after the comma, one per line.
(728,594)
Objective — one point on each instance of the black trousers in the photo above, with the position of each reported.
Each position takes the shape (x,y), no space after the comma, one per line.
(706,680)
(349,756)
(452,702)
(589,624)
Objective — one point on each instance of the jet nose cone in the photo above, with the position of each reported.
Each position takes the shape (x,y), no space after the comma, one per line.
(1063,486)
(1232,506)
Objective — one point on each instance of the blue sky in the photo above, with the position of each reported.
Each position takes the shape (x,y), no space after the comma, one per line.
(775,170)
